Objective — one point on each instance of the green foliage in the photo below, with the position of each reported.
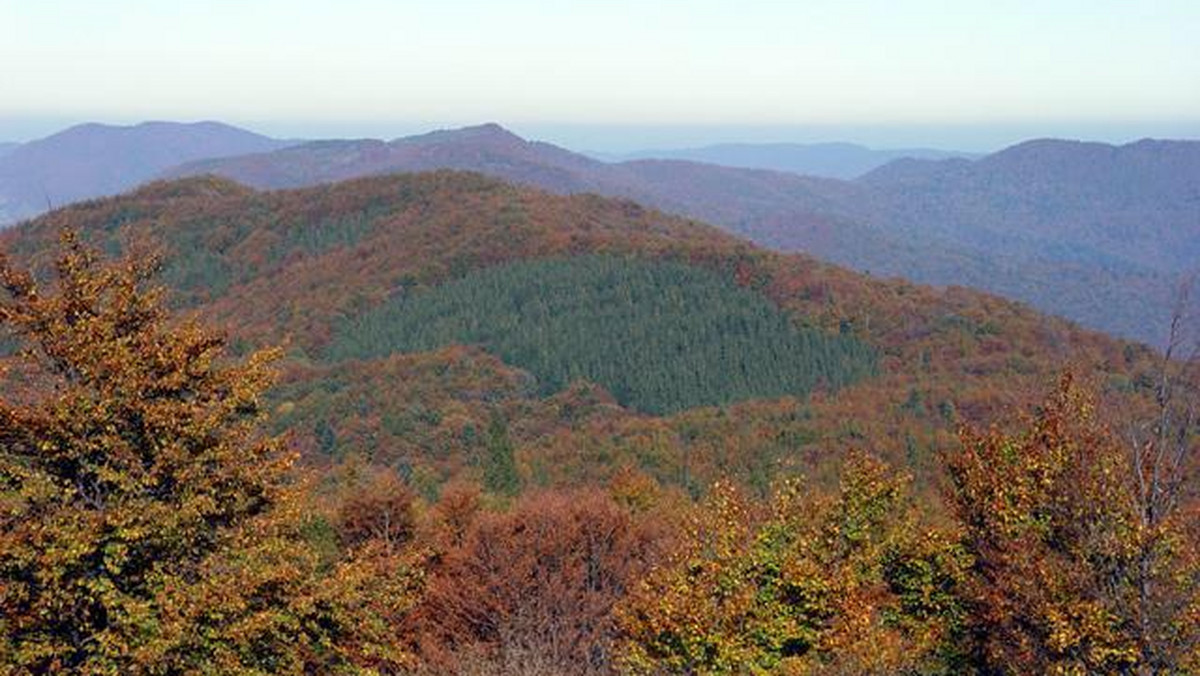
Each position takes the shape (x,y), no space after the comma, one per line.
(661,336)
(344,230)
(500,468)
(851,583)
(326,437)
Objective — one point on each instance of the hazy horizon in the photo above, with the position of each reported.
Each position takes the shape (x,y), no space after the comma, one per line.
(614,76)
(619,139)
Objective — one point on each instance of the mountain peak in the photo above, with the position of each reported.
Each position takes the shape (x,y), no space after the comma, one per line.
(489,132)
(488,128)
(204,186)
(93,159)
(154,131)
(1045,149)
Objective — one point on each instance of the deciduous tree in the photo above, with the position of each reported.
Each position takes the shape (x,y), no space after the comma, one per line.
(531,590)
(1075,569)
(146,525)
(816,584)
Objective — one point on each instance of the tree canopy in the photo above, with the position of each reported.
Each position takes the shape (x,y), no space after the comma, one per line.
(146,525)
(661,336)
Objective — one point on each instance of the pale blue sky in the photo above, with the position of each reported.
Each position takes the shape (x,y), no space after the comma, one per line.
(891,72)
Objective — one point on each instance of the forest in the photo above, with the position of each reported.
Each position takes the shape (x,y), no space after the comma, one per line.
(214,459)
(661,337)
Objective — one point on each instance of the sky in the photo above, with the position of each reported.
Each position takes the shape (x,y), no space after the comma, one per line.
(613,74)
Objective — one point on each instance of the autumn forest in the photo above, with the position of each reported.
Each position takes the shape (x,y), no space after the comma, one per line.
(436,423)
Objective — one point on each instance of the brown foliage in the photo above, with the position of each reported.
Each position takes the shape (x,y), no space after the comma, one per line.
(1069,576)
(379,511)
(531,590)
(458,507)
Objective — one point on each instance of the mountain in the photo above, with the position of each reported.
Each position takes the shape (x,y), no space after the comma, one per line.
(92,160)
(419,311)
(831,160)
(1091,232)
(1134,205)
(6,148)
(486,148)
(751,203)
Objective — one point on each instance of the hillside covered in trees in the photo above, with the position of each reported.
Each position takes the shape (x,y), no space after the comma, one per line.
(540,434)
(659,336)
(296,267)
(1097,233)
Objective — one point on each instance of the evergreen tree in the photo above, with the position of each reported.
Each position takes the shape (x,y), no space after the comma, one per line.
(661,336)
(500,467)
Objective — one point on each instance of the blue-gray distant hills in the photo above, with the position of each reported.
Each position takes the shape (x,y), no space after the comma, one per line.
(1093,232)
(94,160)
(832,160)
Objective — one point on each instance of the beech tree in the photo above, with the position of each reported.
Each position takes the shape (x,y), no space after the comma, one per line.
(380,511)
(146,525)
(531,590)
(1078,567)
(849,583)
(1164,444)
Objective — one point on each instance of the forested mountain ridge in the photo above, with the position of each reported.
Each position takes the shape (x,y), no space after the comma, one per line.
(485,148)
(297,266)
(1137,203)
(832,160)
(94,160)
(1092,232)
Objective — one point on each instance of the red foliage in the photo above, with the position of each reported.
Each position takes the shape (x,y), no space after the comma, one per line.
(380,512)
(534,587)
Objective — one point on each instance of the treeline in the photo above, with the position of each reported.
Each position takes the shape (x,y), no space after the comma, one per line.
(660,336)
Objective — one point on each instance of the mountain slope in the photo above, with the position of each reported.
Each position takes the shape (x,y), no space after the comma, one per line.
(1091,232)
(751,203)
(1137,204)
(302,267)
(831,160)
(1099,233)
(6,148)
(93,160)
(659,335)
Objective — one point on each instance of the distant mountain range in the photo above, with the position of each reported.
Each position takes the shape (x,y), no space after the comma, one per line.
(1097,233)
(1092,232)
(6,148)
(831,160)
(93,160)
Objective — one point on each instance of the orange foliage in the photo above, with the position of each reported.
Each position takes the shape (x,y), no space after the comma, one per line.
(809,583)
(1069,576)
(533,588)
(146,524)
(380,511)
